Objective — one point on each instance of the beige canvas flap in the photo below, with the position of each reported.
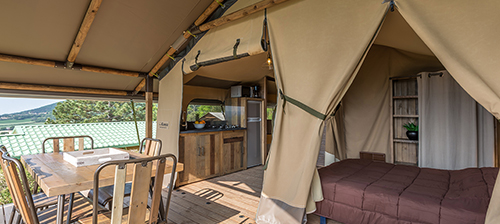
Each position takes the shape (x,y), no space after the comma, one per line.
(315,58)
(464,39)
(219,41)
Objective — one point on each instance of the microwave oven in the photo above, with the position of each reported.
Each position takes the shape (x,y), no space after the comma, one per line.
(241,91)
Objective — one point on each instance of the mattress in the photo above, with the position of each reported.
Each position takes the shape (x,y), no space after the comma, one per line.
(364,191)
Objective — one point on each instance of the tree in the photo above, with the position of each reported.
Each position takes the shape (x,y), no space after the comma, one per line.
(88,111)
(200,110)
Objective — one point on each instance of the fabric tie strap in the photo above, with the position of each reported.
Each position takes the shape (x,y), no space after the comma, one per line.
(170,56)
(235,48)
(189,32)
(221,5)
(302,106)
(305,108)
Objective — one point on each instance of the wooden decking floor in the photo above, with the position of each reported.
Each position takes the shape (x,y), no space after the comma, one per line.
(232,198)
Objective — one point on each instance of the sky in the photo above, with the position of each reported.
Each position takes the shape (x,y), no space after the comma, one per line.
(13,105)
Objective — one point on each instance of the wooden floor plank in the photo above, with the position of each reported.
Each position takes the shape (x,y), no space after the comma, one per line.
(195,216)
(234,203)
(202,211)
(177,218)
(219,192)
(225,211)
(232,198)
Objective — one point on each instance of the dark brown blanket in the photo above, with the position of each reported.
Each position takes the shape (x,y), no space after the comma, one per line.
(362,191)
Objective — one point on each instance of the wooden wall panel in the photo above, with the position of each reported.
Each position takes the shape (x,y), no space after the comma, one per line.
(406,153)
(405,87)
(233,156)
(406,106)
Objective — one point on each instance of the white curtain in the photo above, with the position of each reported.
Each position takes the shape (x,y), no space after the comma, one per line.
(455,131)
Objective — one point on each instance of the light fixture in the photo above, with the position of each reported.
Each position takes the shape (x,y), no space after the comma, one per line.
(269,61)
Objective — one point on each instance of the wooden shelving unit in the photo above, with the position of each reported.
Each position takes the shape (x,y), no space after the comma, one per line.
(406,115)
(404,109)
(405,97)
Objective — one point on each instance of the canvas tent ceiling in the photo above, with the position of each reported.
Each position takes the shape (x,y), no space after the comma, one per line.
(248,69)
(126,35)
(395,33)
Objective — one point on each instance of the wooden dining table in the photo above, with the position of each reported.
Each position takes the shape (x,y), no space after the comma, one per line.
(57,177)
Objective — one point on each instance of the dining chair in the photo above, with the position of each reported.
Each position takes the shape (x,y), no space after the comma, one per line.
(142,181)
(68,146)
(26,204)
(148,146)
(68,143)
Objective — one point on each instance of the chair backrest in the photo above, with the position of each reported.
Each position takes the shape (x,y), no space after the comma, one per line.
(17,183)
(68,143)
(141,182)
(150,146)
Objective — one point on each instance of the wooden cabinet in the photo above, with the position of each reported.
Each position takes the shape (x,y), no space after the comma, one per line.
(404,109)
(233,151)
(210,154)
(200,153)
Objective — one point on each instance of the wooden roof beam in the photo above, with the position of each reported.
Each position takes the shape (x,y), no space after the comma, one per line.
(242,13)
(65,89)
(171,51)
(56,64)
(83,31)
(60,89)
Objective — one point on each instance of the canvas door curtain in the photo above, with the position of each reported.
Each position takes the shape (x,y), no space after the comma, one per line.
(317,47)
(459,132)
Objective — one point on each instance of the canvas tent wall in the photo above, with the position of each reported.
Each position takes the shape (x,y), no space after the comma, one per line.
(456,120)
(318,48)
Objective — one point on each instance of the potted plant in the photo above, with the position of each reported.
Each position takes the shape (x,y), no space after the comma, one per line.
(412,132)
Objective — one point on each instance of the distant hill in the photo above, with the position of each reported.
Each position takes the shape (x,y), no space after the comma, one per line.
(27,117)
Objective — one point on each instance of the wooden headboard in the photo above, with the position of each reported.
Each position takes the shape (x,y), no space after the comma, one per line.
(375,156)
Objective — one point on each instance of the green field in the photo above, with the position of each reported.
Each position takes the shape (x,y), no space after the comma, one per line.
(12,122)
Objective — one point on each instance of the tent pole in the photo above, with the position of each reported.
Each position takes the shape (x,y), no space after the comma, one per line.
(135,121)
(149,107)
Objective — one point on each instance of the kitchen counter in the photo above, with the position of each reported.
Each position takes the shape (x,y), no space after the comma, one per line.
(210,152)
(210,130)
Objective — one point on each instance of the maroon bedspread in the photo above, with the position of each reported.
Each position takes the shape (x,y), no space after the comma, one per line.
(362,191)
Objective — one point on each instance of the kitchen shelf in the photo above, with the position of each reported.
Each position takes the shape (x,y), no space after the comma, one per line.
(405,141)
(404,97)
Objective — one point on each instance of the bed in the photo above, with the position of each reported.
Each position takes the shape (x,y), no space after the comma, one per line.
(365,191)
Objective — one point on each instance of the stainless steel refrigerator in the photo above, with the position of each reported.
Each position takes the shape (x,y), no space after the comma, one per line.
(254,125)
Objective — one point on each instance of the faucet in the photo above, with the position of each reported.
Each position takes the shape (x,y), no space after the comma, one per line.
(184,117)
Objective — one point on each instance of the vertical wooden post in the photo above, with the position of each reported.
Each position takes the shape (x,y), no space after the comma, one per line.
(149,107)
